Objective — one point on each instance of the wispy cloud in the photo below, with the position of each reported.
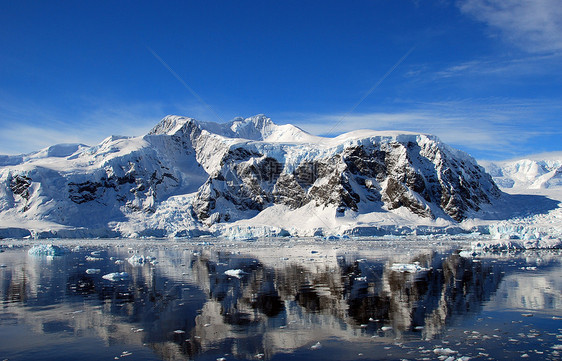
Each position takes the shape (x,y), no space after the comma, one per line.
(533,25)
(497,67)
(28,126)
(501,127)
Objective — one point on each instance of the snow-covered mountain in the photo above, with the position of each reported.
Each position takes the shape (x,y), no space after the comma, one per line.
(532,179)
(248,176)
(541,171)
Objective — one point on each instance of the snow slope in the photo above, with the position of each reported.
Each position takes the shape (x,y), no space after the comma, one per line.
(247,178)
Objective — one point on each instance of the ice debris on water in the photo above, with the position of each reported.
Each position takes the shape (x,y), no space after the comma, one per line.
(238,273)
(92,271)
(116,276)
(46,250)
(444,351)
(515,243)
(316,346)
(408,267)
(137,260)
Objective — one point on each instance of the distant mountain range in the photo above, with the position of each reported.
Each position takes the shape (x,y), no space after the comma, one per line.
(251,177)
(543,171)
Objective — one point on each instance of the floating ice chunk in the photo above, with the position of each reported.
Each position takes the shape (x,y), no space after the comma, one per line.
(46,250)
(179,332)
(386,328)
(467,254)
(238,273)
(444,351)
(137,260)
(116,276)
(92,271)
(93,259)
(408,267)
(316,346)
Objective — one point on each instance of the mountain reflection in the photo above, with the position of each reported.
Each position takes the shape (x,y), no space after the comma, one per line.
(187,305)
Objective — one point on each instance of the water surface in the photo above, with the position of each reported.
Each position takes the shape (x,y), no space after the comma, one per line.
(277,300)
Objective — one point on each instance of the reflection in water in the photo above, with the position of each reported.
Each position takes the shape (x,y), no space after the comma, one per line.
(281,298)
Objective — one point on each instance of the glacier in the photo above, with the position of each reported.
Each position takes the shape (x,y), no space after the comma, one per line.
(253,178)
(526,178)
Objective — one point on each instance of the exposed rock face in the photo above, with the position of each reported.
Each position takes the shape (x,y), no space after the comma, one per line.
(236,170)
(415,172)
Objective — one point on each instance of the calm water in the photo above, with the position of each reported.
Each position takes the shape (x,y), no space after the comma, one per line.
(295,300)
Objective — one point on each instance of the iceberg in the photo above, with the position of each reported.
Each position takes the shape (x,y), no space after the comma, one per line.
(116,276)
(47,250)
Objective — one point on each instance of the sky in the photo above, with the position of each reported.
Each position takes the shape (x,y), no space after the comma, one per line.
(483,75)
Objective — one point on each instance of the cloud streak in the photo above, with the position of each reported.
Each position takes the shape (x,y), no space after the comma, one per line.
(28,126)
(500,128)
(532,25)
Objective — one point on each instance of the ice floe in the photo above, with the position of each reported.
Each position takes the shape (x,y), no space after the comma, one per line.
(116,276)
(238,273)
(408,267)
(444,352)
(138,260)
(316,346)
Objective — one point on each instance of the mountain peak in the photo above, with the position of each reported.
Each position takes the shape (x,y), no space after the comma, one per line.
(170,125)
(258,128)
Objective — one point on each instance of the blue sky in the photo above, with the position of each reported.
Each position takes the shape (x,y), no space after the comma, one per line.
(483,75)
